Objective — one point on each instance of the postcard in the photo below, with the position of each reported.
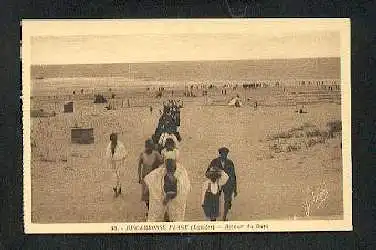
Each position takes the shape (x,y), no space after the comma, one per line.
(186,125)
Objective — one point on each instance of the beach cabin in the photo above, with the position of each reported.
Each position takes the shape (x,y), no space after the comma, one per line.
(82,135)
(68,107)
(100,99)
(41,113)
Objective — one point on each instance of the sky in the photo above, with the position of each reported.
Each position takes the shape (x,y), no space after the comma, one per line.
(151,47)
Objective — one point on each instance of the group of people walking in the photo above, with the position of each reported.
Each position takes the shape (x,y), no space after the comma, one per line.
(168,124)
(165,183)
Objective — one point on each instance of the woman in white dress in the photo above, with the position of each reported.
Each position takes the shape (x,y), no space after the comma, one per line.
(116,154)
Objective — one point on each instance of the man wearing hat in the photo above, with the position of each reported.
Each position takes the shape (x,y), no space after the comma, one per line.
(230,188)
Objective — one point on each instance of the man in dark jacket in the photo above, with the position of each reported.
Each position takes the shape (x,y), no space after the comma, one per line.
(230,188)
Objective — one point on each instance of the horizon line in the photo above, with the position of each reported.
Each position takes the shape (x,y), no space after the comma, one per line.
(182,61)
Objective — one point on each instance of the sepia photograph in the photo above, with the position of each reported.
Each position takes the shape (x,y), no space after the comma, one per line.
(201,125)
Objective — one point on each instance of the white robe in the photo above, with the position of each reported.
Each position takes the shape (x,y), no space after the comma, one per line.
(175,207)
(117,160)
(119,154)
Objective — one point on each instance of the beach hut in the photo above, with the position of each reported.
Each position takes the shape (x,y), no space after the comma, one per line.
(41,113)
(68,107)
(100,99)
(82,135)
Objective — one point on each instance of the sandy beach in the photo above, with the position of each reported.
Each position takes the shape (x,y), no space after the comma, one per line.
(276,174)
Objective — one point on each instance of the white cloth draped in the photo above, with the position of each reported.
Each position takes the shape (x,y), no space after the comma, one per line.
(116,161)
(175,207)
(119,154)
(214,185)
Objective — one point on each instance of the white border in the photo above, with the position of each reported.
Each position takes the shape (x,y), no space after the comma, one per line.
(126,27)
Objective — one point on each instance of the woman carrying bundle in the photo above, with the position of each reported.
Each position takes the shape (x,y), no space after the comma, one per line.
(211,192)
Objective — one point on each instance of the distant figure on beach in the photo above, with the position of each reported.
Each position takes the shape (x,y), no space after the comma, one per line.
(151,109)
(129,104)
(148,161)
(302,110)
(211,192)
(230,190)
(255,106)
(168,188)
(116,155)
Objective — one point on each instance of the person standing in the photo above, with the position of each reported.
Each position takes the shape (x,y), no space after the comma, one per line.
(169,187)
(168,134)
(212,186)
(149,160)
(116,154)
(177,122)
(229,189)
(170,148)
